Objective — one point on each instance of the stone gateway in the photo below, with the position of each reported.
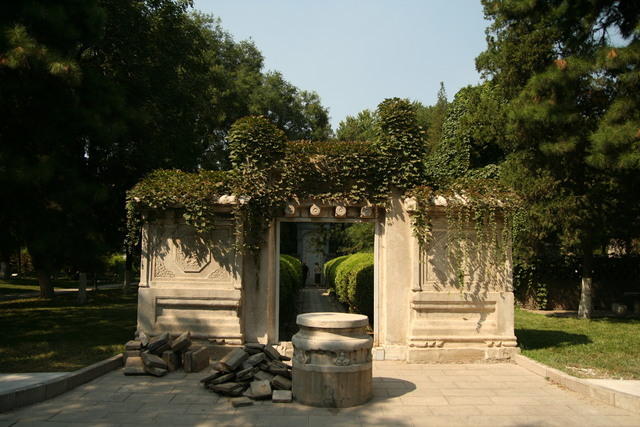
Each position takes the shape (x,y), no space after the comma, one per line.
(431,304)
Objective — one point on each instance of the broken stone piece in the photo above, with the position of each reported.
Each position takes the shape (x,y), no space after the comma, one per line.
(279,368)
(134,366)
(211,377)
(229,389)
(182,343)
(143,338)
(224,378)
(285,358)
(253,347)
(234,358)
(131,353)
(200,359)
(281,383)
(246,374)
(281,396)
(132,345)
(238,402)
(220,367)
(153,361)
(260,389)
(263,376)
(156,372)
(271,352)
(255,359)
(172,359)
(159,344)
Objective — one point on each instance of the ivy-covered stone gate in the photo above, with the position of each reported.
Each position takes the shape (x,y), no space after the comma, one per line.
(210,242)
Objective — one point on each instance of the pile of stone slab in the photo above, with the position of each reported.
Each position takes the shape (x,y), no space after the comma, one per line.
(253,372)
(160,355)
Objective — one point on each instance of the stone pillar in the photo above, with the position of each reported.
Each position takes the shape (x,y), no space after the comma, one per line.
(332,360)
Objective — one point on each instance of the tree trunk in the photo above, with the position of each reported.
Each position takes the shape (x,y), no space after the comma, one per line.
(82,289)
(585,309)
(127,272)
(94,279)
(46,288)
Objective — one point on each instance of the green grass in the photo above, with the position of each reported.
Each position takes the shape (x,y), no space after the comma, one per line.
(25,285)
(597,348)
(40,335)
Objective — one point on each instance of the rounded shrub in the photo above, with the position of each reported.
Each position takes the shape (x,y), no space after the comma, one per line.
(354,282)
(329,270)
(290,279)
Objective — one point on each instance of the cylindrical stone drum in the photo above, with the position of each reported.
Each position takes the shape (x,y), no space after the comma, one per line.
(332,360)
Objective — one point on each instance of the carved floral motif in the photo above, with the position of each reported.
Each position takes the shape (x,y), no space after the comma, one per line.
(314,210)
(342,359)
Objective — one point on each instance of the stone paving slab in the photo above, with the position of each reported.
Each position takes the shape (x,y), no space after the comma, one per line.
(404,395)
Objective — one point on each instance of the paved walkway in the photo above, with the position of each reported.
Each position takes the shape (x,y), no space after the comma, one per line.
(404,395)
(14,381)
(314,300)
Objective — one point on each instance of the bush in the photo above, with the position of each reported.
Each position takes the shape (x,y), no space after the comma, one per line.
(290,279)
(329,271)
(354,282)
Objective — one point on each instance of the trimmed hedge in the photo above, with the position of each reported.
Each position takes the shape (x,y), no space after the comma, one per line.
(329,270)
(290,279)
(353,278)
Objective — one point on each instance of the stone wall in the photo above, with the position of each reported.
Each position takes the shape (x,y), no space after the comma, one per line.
(430,306)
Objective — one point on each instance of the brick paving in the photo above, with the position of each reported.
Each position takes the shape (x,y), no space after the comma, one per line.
(404,395)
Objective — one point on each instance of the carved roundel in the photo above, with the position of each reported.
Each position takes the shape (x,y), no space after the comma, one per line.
(192,254)
(341,211)
(314,210)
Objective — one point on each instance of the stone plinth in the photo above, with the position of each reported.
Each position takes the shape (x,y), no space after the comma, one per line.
(332,360)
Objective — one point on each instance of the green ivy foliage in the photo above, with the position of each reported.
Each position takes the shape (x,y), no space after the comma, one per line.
(255,142)
(269,172)
(196,194)
(401,143)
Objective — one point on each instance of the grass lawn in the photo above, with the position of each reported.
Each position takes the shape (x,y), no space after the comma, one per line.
(24,285)
(41,335)
(598,348)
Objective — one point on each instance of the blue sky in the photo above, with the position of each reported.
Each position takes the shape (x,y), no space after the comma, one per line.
(355,53)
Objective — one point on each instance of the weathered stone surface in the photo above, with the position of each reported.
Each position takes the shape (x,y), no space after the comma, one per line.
(182,343)
(262,375)
(134,366)
(281,396)
(153,361)
(279,368)
(143,338)
(159,344)
(131,353)
(340,374)
(200,359)
(246,374)
(224,378)
(234,358)
(156,372)
(220,367)
(211,377)
(239,402)
(271,352)
(132,345)
(229,389)
(172,359)
(281,383)
(260,389)
(255,359)
(245,365)
(253,347)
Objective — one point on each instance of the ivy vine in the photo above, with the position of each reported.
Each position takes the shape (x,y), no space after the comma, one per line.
(269,172)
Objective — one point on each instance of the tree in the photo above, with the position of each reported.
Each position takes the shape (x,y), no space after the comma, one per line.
(362,127)
(299,113)
(436,119)
(542,58)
